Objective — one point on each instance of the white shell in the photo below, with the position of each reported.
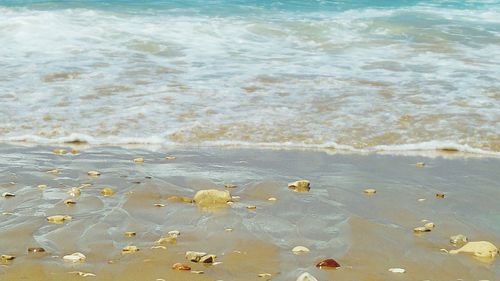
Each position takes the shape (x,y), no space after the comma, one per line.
(306,276)
(75,257)
(299,250)
(397,270)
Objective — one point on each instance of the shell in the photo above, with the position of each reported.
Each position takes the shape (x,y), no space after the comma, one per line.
(75,257)
(208,259)
(58,219)
(130,234)
(93,173)
(458,239)
(300,186)
(129,249)
(306,276)
(397,270)
(36,250)
(370,191)
(300,250)
(8,195)
(107,191)
(139,160)
(328,263)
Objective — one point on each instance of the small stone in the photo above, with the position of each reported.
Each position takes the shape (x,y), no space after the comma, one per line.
(370,191)
(421,199)
(107,191)
(69,202)
(328,263)
(482,249)
(8,195)
(197,271)
(59,151)
(300,186)
(170,157)
(139,160)
(75,257)
(129,249)
(159,205)
(230,185)
(159,247)
(421,229)
(440,195)
(208,259)
(74,191)
(36,250)
(42,186)
(53,172)
(235,198)
(300,250)
(265,275)
(174,233)
(93,173)
(458,239)
(252,207)
(5,258)
(58,219)
(420,164)
(397,270)
(181,266)
(306,276)
(181,199)
(84,185)
(130,234)
(212,198)
(228,230)
(429,225)
(194,256)
(74,151)
(272,199)
(167,240)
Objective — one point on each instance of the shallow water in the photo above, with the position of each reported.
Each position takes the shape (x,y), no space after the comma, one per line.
(357,75)
(367,235)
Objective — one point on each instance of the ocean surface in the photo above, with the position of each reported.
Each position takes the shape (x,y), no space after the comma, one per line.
(356,75)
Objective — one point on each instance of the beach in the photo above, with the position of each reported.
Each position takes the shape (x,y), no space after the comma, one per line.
(366,234)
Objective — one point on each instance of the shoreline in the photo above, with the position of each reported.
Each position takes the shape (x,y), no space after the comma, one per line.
(367,235)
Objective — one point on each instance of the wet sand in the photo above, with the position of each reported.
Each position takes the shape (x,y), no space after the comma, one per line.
(367,235)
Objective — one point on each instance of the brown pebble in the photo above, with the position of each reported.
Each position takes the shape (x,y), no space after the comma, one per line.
(36,250)
(181,266)
(328,263)
(440,195)
(107,191)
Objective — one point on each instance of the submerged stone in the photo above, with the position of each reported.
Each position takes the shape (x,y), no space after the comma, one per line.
(420,164)
(429,225)
(212,198)
(69,202)
(74,191)
(482,249)
(300,186)
(421,229)
(107,191)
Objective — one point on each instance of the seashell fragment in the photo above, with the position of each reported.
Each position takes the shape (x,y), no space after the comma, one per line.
(397,270)
(159,205)
(272,199)
(58,219)
(129,249)
(181,266)
(370,191)
(212,198)
(159,247)
(194,256)
(174,233)
(181,199)
(74,191)
(53,172)
(440,195)
(306,276)
(93,173)
(230,185)
(328,263)
(420,164)
(265,275)
(75,257)
(421,199)
(208,259)
(69,202)
(8,195)
(5,258)
(42,186)
(482,249)
(167,240)
(59,151)
(139,160)
(300,250)
(170,158)
(252,207)
(130,234)
(429,225)
(83,274)
(197,271)
(107,191)
(300,186)
(458,239)
(74,151)
(36,250)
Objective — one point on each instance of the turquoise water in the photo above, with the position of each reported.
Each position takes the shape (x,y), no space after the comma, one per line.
(356,75)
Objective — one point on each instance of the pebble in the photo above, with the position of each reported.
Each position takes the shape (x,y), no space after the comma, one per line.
(107,191)
(159,205)
(36,250)
(421,199)
(272,199)
(265,275)
(208,259)
(130,234)
(306,276)
(212,198)
(139,160)
(93,173)
(429,225)
(194,256)
(440,195)
(300,186)
(59,151)
(230,185)
(167,240)
(58,219)
(300,250)
(53,171)
(129,249)
(74,191)
(252,207)
(83,274)
(370,191)
(181,266)
(421,229)
(75,257)
(458,239)
(397,270)
(328,263)
(69,202)
(5,258)
(8,195)
(420,164)
(42,186)
(170,157)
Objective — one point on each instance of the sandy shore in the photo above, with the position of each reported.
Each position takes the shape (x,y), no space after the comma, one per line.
(367,235)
